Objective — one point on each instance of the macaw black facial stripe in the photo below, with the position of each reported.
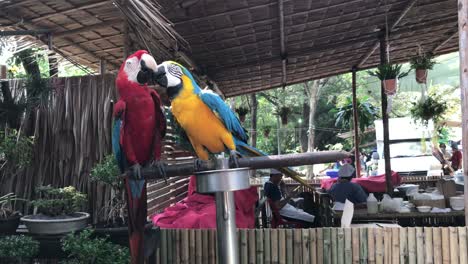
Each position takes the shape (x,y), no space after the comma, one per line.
(175,70)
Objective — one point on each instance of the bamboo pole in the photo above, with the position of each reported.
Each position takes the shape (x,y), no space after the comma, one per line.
(164,246)
(274,246)
(185,246)
(282,246)
(178,246)
(395,245)
(289,246)
(313,246)
(244,252)
(371,245)
(403,245)
(412,245)
(198,246)
(428,242)
(305,246)
(267,245)
(297,246)
(348,246)
(192,246)
(454,254)
(334,246)
(363,259)
(462,243)
(212,254)
(437,244)
(205,245)
(320,246)
(463,47)
(326,246)
(420,253)
(445,245)
(356,124)
(341,246)
(252,244)
(259,245)
(387,245)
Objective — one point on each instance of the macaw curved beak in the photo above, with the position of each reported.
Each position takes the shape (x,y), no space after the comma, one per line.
(147,66)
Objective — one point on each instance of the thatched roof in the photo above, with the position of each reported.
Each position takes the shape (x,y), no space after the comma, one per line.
(245,46)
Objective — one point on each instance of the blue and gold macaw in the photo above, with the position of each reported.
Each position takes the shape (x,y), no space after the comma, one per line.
(210,125)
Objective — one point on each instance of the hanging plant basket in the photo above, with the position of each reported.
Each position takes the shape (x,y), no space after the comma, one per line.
(284,119)
(389,74)
(390,86)
(421,75)
(422,63)
(266,132)
(242,112)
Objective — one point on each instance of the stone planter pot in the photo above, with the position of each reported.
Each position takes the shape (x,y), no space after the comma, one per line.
(421,75)
(9,225)
(39,224)
(390,86)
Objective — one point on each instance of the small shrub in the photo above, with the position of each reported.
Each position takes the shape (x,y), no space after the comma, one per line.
(58,201)
(18,247)
(106,172)
(388,72)
(83,248)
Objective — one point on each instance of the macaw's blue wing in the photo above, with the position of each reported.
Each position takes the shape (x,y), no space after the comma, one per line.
(116,147)
(225,114)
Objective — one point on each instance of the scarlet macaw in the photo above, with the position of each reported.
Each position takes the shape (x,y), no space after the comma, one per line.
(139,126)
(210,125)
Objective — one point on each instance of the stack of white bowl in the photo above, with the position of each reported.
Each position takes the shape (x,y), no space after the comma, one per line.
(457,203)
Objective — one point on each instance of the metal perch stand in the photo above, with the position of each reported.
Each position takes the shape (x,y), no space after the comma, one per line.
(219,177)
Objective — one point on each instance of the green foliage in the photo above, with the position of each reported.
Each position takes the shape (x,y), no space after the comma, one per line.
(15,149)
(423,62)
(84,249)
(38,91)
(430,109)
(388,72)
(18,247)
(106,172)
(58,201)
(5,205)
(284,111)
(367,113)
(242,111)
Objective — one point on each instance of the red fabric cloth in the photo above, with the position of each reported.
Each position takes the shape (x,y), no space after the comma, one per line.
(370,184)
(199,210)
(456,159)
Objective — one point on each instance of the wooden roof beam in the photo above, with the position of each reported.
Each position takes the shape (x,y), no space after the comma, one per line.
(25,24)
(445,40)
(392,27)
(282,43)
(108,23)
(74,9)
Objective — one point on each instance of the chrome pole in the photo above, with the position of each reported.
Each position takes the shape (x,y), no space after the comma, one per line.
(226,228)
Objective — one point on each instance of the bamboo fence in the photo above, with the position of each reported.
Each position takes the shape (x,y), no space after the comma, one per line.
(412,245)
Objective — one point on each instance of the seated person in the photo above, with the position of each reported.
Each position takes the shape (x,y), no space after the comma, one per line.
(345,189)
(273,192)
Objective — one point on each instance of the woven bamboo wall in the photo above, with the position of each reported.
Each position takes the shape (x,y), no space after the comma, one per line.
(73,133)
(322,245)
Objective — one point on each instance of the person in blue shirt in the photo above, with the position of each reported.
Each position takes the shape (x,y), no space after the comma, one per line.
(275,194)
(345,189)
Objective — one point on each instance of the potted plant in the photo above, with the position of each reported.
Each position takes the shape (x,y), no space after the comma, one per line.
(114,212)
(429,109)
(422,63)
(242,112)
(58,211)
(18,249)
(389,74)
(266,131)
(9,218)
(85,248)
(283,112)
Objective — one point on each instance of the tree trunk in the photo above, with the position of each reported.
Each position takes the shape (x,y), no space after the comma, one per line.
(253,111)
(305,117)
(313,89)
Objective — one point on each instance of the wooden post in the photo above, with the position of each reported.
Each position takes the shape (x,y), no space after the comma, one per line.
(356,127)
(463,44)
(3,72)
(102,67)
(386,141)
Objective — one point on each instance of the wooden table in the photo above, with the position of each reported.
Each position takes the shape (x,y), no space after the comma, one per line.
(414,218)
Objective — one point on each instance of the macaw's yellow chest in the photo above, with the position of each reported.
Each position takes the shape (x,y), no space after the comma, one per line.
(204,129)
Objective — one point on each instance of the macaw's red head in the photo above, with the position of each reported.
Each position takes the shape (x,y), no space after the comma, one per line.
(129,75)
